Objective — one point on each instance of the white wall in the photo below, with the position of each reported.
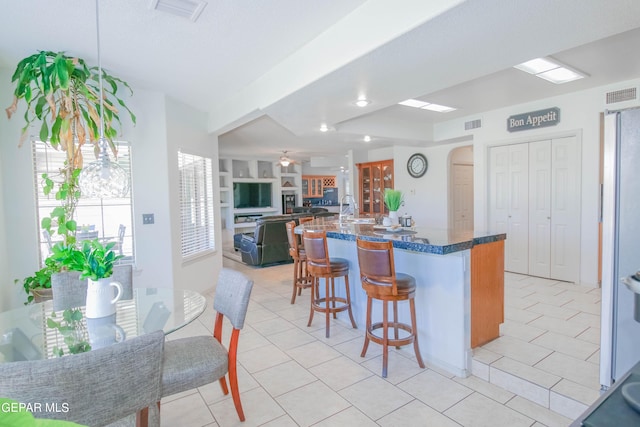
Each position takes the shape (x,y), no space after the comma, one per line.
(425,198)
(187,130)
(149,185)
(16,177)
(580,116)
(5,280)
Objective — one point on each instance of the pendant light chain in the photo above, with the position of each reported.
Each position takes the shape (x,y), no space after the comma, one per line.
(103,178)
(100,73)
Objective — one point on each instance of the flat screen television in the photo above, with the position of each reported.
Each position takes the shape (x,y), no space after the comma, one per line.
(251,195)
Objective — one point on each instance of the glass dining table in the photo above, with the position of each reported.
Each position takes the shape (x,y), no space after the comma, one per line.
(36,331)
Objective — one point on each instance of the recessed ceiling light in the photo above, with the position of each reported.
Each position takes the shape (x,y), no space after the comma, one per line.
(367,138)
(560,75)
(426,106)
(535,66)
(413,103)
(324,127)
(551,70)
(438,108)
(362,101)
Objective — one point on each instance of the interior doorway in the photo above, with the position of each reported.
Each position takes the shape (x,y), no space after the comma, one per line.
(461,188)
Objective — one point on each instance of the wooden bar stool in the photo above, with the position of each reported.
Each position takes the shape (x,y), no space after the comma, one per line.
(380,281)
(320,265)
(301,278)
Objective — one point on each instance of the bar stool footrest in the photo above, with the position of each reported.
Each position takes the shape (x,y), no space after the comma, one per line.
(390,340)
(338,308)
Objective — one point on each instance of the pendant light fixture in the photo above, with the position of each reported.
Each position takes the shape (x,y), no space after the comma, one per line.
(103,178)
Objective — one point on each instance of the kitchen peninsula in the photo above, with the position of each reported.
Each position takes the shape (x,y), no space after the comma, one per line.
(460,284)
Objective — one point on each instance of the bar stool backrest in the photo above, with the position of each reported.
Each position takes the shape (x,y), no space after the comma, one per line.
(377,266)
(305,219)
(294,246)
(315,246)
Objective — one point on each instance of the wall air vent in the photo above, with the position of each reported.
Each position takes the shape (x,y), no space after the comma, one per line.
(473,124)
(621,95)
(190,9)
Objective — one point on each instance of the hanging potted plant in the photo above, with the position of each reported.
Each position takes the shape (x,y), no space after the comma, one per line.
(63,95)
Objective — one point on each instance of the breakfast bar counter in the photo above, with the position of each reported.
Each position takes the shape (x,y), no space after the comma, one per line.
(460,284)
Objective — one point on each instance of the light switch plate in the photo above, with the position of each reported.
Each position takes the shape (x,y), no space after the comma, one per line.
(147,219)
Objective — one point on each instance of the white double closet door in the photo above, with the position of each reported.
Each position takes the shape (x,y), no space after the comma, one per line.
(534,196)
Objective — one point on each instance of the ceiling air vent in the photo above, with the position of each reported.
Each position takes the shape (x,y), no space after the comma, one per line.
(190,9)
(621,95)
(473,124)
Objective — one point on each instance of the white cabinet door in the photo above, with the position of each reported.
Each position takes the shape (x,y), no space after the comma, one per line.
(540,208)
(565,209)
(534,196)
(508,202)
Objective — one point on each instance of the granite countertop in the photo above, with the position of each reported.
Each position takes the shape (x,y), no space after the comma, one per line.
(416,239)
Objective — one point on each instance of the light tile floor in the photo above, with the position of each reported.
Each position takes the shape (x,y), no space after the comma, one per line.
(291,375)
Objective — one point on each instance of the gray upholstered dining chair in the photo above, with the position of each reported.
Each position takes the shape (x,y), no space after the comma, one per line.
(195,361)
(96,388)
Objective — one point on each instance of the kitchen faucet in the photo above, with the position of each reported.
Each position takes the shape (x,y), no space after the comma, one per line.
(350,209)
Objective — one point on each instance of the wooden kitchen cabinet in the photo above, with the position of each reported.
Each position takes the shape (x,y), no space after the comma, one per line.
(374,177)
(313,185)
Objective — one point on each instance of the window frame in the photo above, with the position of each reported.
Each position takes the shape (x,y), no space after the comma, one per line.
(196,205)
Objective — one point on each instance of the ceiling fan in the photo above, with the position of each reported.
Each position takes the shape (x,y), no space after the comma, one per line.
(285,160)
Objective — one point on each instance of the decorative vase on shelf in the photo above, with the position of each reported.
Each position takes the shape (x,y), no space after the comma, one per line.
(393,216)
(101,301)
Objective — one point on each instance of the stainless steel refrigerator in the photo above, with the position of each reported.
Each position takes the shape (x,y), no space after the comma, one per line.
(620,331)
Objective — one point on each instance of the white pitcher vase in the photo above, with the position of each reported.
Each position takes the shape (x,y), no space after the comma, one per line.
(101,301)
(393,216)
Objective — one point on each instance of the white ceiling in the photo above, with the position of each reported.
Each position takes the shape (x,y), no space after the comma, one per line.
(270,71)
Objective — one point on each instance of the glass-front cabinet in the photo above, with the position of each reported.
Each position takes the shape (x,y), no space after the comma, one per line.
(375,178)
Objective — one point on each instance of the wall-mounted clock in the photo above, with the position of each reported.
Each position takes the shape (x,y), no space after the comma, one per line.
(417,165)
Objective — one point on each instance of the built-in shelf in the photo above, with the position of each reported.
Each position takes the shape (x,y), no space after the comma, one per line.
(244,225)
(254,179)
(254,210)
(284,182)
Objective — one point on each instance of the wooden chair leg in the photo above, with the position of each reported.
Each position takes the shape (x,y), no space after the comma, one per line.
(223,385)
(235,392)
(385,338)
(333,296)
(414,330)
(395,321)
(348,295)
(295,280)
(142,417)
(326,306)
(313,295)
(368,328)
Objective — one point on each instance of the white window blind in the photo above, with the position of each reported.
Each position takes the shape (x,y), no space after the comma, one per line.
(196,204)
(109,219)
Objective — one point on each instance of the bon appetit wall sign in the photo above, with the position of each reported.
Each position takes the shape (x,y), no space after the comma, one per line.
(534,119)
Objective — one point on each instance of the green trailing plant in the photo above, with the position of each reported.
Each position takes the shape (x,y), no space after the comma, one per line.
(72,329)
(41,279)
(393,199)
(61,219)
(62,96)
